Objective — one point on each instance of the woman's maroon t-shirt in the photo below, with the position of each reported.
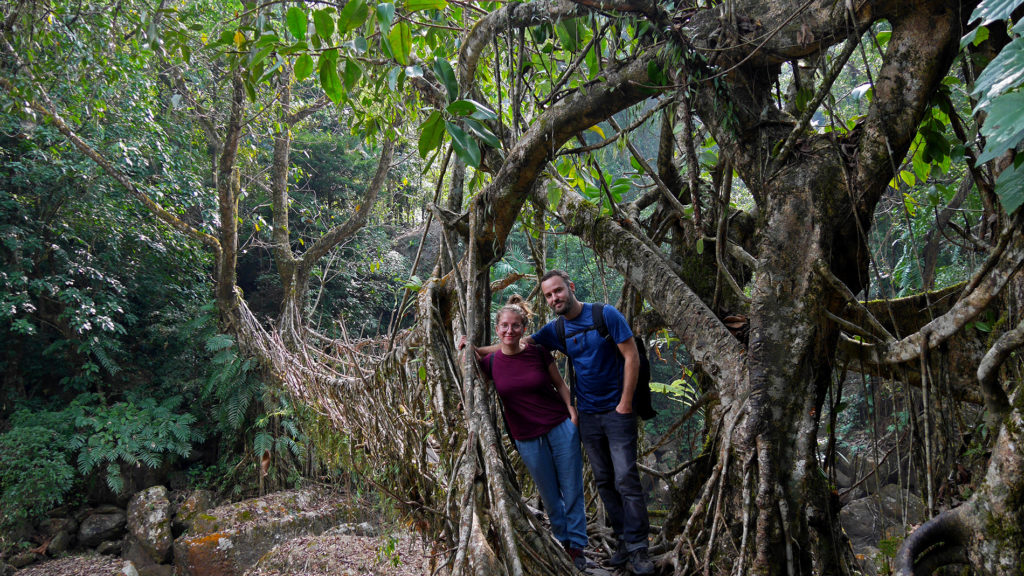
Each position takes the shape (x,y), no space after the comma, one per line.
(532,406)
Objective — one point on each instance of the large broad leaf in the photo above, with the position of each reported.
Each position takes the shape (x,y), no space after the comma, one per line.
(483,133)
(1004,127)
(323,20)
(465,147)
(447,76)
(461,108)
(353,15)
(431,134)
(400,39)
(991,10)
(304,67)
(1004,73)
(385,15)
(296,19)
(1010,188)
(352,73)
(414,5)
(329,79)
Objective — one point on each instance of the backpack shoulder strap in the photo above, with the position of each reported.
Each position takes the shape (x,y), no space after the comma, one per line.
(598,317)
(560,331)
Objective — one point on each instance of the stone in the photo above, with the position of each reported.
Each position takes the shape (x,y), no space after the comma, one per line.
(22,559)
(228,540)
(99,527)
(895,500)
(60,543)
(191,507)
(110,547)
(149,526)
(861,519)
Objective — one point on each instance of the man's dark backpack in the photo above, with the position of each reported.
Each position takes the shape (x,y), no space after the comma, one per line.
(642,396)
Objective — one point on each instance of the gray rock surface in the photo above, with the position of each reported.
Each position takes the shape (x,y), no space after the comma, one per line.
(99,527)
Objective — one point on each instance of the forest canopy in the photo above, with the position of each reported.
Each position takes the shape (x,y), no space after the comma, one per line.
(263,227)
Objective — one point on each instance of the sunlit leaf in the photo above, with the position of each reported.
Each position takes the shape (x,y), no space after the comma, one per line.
(385,15)
(353,15)
(416,5)
(329,79)
(447,76)
(465,147)
(400,39)
(1010,188)
(323,20)
(352,73)
(992,10)
(1004,127)
(296,20)
(596,128)
(1004,73)
(431,134)
(483,133)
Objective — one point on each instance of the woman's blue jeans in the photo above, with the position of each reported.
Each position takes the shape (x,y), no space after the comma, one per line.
(556,464)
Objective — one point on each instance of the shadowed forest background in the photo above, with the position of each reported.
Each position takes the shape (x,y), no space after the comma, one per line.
(239,242)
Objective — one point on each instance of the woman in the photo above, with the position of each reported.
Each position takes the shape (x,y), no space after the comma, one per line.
(542,422)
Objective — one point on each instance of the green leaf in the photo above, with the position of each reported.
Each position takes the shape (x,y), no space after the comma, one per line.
(296,19)
(416,5)
(360,44)
(323,20)
(1004,127)
(329,79)
(431,133)
(992,10)
(483,133)
(352,73)
(353,15)
(385,15)
(400,39)
(461,108)
(700,245)
(554,197)
(465,147)
(444,72)
(482,112)
(1003,74)
(1010,188)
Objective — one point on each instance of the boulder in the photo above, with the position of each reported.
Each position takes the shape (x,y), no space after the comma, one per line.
(60,543)
(149,527)
(110,547)
(22,559)
(97,527)
(862,521)
(190,508)
(895,500)
(226,541)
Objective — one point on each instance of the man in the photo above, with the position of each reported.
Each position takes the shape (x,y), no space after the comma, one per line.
(606,376)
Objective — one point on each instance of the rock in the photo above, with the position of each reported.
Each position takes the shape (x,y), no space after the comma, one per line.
(6,569)
(129,569)
(22,559)
(110,547)
(895,498)
(60,543)
(195,504)
(361,529)
(226,541)
(156,570)
(861,519)
(101,526)
(149,527)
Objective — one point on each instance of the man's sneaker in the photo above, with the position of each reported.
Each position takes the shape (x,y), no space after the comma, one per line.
(621,555)
(639,563)
(578,559)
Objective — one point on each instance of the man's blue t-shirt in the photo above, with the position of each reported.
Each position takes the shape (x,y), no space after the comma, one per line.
(596,361)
